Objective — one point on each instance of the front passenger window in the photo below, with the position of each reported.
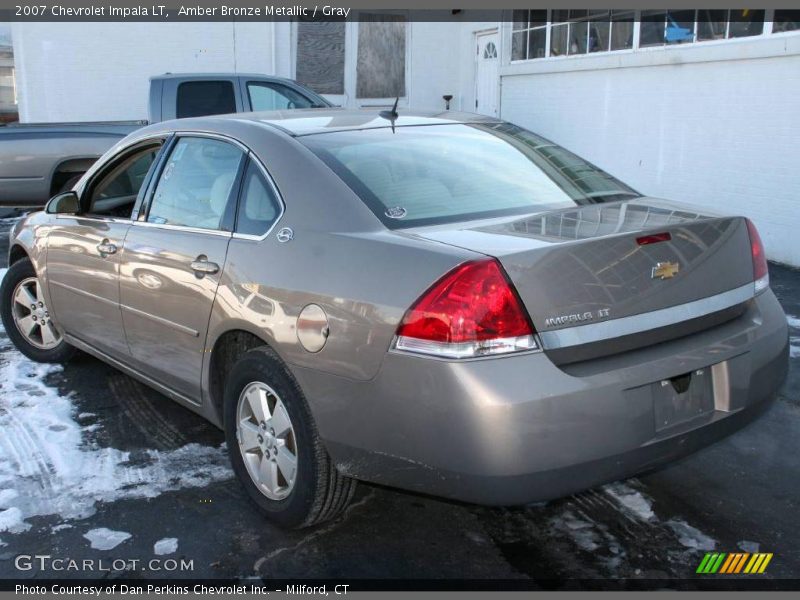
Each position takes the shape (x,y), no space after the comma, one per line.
(196,184)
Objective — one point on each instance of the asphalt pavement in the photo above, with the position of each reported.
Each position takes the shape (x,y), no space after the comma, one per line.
(94,465)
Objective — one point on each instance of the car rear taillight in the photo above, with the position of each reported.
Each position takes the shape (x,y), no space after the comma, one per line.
(760,269)
(472,311)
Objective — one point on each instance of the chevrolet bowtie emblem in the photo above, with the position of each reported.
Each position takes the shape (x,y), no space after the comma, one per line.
(665,270)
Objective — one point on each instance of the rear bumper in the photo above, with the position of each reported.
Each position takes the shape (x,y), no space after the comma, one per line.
(519,429)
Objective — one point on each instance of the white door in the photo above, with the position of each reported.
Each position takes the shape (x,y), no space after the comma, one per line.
(487,73)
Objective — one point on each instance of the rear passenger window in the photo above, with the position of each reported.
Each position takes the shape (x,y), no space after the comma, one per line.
(200,98)
(195,185)
(259,207)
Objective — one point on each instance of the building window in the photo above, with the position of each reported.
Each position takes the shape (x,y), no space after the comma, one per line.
(556,33)
(660,27)
(529,34)
(8,83)
(320,55)
(786,20)
(381,61)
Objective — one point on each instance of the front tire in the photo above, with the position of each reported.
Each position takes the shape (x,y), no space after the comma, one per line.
(274,447)
(26,317)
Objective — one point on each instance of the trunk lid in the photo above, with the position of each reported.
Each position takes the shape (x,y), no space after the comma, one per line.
(583,265)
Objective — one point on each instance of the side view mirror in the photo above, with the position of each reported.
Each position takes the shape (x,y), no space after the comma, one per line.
(66,203)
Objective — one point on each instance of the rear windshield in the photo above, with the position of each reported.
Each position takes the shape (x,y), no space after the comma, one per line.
(444,173)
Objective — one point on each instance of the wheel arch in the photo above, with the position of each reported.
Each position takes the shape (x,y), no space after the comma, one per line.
(16,253)
(67,169)
(228,347)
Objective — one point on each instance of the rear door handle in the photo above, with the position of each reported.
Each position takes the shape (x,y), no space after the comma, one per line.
(106,247)
(202,266)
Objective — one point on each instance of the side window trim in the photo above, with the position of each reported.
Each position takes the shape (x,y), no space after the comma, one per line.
(229,217)
(253,159)
(140,211)
(121,156)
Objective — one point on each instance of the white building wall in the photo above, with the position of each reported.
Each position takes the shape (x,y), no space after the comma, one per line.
(714,126)
(434,60)
(101,71)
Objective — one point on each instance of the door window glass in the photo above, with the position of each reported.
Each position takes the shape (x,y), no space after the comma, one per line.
(259,207)
(268,96)
(195,185)
(115,193)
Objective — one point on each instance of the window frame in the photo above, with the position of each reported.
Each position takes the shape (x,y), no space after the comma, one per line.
(254,160)
(228,219)
(636,47)
(124,154)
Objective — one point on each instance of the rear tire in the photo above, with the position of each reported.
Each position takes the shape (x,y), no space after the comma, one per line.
(262,440)
(42,342)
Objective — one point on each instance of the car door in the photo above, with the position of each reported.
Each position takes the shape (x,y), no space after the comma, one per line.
(173,257)
(83,251)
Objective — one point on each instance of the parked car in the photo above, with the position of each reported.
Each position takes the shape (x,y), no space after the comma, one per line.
(445,303)
(37,160)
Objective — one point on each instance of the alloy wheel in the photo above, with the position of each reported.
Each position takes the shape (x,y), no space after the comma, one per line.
(267,440)
(32,317)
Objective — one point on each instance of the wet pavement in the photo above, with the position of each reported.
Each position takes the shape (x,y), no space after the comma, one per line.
(121,457)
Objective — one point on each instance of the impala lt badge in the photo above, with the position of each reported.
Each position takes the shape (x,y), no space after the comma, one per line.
(577,318)
(665,270)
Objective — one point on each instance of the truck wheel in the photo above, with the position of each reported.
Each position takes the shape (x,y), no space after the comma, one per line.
(26,318)
(274,446)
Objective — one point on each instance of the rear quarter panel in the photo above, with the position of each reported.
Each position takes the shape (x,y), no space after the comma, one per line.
(341,258)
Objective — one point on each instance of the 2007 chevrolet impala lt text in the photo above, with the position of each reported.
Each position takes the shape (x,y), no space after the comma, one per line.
(444,303)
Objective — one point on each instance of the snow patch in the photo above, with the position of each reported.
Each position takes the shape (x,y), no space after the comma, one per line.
(49,467)
(690,537)
(747,546)
(61,527)
(11,520)
(106,539)
(6,496)
(794,322)
(165,546)
(582,532)
(631,500)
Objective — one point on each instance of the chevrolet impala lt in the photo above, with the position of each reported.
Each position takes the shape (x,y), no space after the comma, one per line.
(444,303)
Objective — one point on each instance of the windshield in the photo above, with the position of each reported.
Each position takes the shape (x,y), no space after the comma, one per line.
(443,173)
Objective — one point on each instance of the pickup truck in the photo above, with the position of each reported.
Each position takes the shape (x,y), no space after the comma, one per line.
(38,160)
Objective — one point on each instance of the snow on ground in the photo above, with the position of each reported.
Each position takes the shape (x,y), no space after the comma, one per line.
(48,468)
(794,340)
(689,536)
(106,539)
(748,546)
(631,500)
(165,546)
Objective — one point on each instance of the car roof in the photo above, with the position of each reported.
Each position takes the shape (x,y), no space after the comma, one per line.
(299,122)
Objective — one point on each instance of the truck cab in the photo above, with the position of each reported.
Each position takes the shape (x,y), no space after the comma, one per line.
(38,160)
(178,96)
